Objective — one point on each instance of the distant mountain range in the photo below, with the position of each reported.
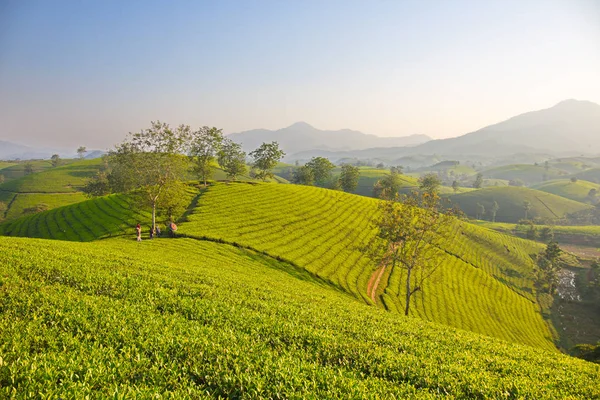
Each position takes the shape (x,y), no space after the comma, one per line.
(571,127)
(302,137)
(13,151)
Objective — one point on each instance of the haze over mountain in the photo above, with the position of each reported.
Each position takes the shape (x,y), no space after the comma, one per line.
(13,151)
(302,136)
(570,127)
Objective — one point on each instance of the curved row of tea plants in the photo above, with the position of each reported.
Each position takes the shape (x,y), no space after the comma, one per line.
(487,276)
(178,318)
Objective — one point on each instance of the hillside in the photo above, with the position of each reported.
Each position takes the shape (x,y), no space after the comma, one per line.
(511,199)
(192,319)
(529,174)
(302,136)
(577,191)
(592,175)
(323,232)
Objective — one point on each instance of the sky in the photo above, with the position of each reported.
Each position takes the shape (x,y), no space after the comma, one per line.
(87,72)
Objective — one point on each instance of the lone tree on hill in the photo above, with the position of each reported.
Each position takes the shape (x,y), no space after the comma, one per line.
(151,164)
(388,186)
(232,159)
(430,184)
(455,186)
(526,207)
(303,176)
(494,210)
(408,236)
(205,144)
(549,266)
(349,177)
(321,168)
(266,158)
(81,152)
(478,181)
(28,169)
(55,159)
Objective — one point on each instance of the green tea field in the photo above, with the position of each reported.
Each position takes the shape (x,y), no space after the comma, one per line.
(181,318)
(578,191)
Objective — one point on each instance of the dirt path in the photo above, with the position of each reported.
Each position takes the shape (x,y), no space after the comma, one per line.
(374,283)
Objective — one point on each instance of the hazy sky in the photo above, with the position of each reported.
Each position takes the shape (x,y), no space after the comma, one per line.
(88,72)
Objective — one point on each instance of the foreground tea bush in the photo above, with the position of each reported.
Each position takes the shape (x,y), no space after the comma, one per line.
(186,319)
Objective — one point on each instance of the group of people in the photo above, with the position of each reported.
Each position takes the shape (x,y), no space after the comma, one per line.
(155,232)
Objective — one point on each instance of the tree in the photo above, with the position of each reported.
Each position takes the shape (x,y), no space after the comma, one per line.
(99,185)
(205,143)
(516,182)
(81,151)
(430,184)
(232,159)
(380,166)
(55,159)
(480,211)
(266,158)
(526,207)
(151,165)
(549,266)
(408,236)
(478,181)
(398,169)
(455,186)
(574,179)
(303,176)
(349,177)
(321,168)
(28,168)
(388,186)
(2,210)
(494,210)
(592,195)
(546,234)
(531,233)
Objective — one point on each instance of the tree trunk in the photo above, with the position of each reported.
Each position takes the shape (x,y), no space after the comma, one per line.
(153,216)
(408,293)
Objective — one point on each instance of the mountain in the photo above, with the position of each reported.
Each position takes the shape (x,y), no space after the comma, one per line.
(571,126)
(13,151)
(302,137)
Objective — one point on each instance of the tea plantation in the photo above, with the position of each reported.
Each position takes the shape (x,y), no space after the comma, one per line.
(181,318)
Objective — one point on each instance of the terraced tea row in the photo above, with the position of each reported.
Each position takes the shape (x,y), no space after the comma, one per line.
(188,319)
(325,232)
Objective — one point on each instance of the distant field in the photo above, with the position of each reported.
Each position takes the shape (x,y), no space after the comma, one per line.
(17,170)
(63,179)
(592,175)
(529,174)
(577,191)
(191,319)
(510,199)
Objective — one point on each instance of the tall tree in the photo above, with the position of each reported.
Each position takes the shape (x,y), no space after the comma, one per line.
(478,181)
(321,168)
(494,210)
(205,144)
(28,169)
(430,183)
(151,164)
(349,177)
(266,158)
(81,152)
(408,236)
(480,211)
(55,159)
(303,176)
(232,159)
(526,207)
(455,186)
(549,266)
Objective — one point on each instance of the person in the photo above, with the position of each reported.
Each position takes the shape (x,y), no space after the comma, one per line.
(172,228)
(151,232)
(157,231)
(138,229)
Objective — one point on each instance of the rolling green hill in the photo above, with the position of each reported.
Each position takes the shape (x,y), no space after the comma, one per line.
(510,199)
(592,175)
(577,191)
(529,174)
(323,231)
(191,319)
(12,170)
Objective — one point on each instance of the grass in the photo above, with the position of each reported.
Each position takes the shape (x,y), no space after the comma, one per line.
(577,191)
(511,199)
(190,319)
(17,170)
(530,174)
